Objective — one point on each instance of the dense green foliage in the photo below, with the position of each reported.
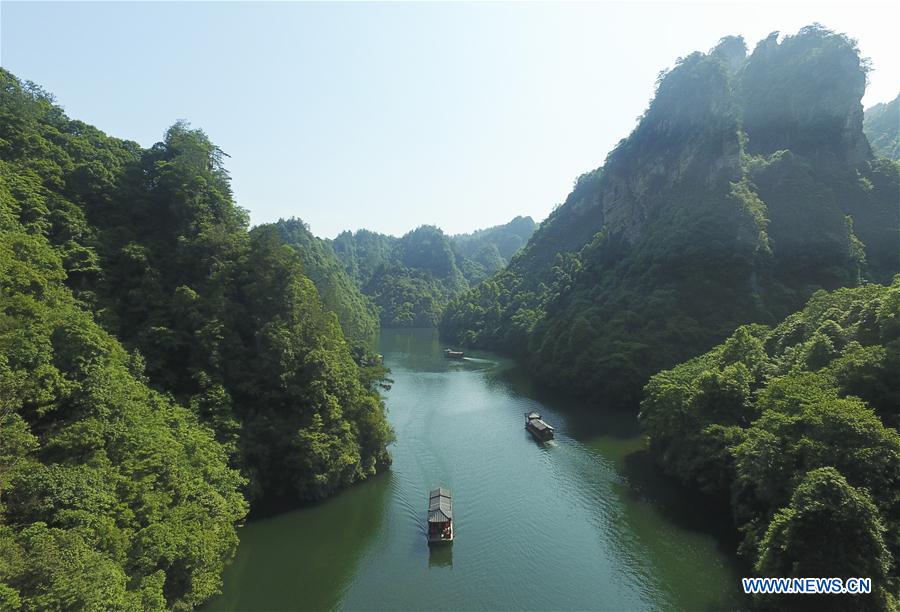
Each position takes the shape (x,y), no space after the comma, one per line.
(741,191)
(225,318)
(487,251)
(210,369)
(881,124)
(799,425)
(112,496)
(356,312)
(411,279)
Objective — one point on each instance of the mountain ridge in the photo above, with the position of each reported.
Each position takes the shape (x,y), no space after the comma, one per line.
(881,123)
(699,221)
(412,278)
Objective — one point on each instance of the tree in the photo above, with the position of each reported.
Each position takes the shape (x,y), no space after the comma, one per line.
(829,529)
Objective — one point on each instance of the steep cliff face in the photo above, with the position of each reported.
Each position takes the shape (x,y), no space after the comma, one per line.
(804,94)
(745,186)
(831,216)
(688,135)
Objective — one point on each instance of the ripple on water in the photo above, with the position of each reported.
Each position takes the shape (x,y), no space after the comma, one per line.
(538,526)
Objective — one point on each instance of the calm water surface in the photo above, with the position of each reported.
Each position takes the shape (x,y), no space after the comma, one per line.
(582,522)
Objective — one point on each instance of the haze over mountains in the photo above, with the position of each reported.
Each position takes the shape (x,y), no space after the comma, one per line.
(731,269)
(748,187)
(742,190)
(882,127)
(409,280)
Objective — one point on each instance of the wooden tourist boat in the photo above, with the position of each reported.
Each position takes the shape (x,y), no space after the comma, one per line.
(537,427)
(440,516)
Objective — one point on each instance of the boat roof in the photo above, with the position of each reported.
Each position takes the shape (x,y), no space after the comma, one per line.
(440,509)
(440,491)
(533,415)
(540,425)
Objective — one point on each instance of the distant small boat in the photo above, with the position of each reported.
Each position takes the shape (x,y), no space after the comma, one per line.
(453,354)
(440,516)
(537,427)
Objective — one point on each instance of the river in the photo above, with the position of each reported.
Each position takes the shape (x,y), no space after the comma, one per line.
(582,522)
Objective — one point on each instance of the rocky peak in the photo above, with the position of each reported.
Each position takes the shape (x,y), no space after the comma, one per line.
(804,94)
(732,51)
(690,132)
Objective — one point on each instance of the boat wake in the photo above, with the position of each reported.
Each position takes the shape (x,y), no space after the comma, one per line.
(478,360)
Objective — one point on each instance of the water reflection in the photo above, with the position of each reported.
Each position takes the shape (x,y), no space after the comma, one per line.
(305,559)
(585,512)
(440,556)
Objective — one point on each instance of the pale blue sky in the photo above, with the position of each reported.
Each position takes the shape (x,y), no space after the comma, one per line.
(388,116)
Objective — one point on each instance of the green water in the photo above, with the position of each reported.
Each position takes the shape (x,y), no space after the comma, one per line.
(580,523)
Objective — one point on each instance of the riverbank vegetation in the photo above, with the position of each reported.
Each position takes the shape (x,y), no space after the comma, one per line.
(161,366)
(798,425)
(742,193)
(166,370)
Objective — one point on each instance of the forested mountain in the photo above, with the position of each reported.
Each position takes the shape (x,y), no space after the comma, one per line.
(112,496)
(491,248)
(747,185)
(160,363)
(798,423)
(357,313)
(411,279)
(881,124)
